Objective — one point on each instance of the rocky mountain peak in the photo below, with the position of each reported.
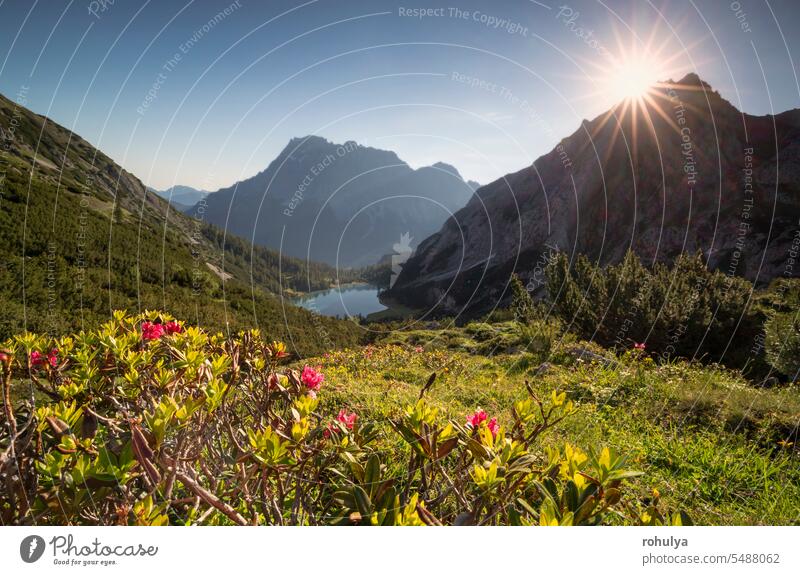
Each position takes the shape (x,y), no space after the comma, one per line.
(681,170)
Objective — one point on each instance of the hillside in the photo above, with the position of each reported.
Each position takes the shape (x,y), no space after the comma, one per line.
(82,236)
(344,204)
(666,176)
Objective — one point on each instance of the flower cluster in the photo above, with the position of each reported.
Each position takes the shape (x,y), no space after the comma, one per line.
(312,378)
(474,421)
(348,419)
(152,331)
(38,359)
(155,331)
(345,418)
(173,327)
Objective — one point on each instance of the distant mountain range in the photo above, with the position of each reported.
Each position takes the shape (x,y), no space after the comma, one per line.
(681,171)
(182,198)
(344,204)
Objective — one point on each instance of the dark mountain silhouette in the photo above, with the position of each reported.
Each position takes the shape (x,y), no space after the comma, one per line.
(344,204)
(682,171)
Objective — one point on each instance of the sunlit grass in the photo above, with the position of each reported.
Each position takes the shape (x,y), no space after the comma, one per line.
(704,435)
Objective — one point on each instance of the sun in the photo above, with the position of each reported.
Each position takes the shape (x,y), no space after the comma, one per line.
(631,81)
(631,69)
(633,78)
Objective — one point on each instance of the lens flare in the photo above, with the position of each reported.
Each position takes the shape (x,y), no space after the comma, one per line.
(633,78)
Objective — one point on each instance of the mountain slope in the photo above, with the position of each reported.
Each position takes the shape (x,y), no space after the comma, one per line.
(81,236)
(346,204)
(664,177)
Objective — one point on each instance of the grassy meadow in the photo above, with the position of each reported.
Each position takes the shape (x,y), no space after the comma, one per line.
(704,437)
(148,421)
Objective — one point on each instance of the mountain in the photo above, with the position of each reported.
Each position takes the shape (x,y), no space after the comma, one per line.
(182,198)
(81,236)
(681,171)
(344,204)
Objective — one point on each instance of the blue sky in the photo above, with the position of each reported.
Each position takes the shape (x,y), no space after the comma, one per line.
(488,87)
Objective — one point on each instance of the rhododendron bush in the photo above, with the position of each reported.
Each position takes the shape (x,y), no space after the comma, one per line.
(147,421)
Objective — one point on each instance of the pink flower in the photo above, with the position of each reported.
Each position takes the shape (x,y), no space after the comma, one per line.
(476,418)
(152,331)
(419,349)
(347,419)
(639,346)
(474,421)
(5,357)
(173,327)
(312,378)
(37,359)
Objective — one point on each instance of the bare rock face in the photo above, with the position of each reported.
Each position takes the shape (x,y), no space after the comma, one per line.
(679,171)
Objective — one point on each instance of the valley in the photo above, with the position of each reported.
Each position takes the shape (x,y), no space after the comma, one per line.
(400,346)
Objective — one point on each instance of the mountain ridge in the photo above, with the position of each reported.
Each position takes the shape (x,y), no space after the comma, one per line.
(341,203)
(644,180)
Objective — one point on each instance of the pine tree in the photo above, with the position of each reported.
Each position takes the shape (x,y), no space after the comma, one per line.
(681,310)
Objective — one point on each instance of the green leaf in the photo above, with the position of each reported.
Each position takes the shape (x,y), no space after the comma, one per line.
(363,503)
(372,473)
(345,498)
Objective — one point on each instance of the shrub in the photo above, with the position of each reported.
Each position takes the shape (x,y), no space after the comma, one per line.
(540,337)
(685,310)
(147,422)
(782,341)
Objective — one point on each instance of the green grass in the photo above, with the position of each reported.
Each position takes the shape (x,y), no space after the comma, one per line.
(705,438)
